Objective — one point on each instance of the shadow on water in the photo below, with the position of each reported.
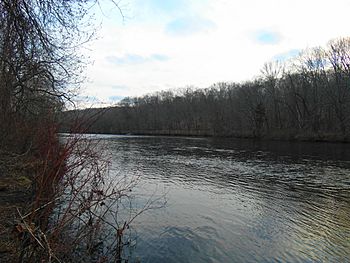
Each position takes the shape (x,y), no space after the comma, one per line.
(240,200)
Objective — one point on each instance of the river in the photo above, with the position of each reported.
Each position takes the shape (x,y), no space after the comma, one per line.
(235,200)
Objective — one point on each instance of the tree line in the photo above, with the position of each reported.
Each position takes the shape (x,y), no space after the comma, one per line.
(307,97)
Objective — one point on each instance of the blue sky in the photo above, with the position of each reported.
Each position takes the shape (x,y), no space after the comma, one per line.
(169,44)
(267,37)
(188,26)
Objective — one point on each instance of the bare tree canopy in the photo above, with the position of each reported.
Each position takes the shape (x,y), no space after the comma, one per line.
(40,62)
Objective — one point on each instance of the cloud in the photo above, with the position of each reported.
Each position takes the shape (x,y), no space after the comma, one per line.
(158,57)
(148,51)
(84,101)
(133,59)
(287,55)
(87,99)
(185,26)
(116,98)
(267,37)
(120,87)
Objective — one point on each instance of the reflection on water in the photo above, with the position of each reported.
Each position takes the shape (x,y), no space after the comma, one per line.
(239,200)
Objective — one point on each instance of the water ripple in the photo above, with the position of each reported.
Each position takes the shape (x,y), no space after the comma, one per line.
(239,200)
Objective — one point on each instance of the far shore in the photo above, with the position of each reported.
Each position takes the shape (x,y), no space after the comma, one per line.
(306,137)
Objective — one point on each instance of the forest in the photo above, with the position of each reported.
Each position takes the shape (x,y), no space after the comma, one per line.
(304,98)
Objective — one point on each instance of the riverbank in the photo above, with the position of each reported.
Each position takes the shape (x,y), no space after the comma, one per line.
(15,195)
(27,187)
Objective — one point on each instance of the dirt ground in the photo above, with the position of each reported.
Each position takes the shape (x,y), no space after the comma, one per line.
(15,194)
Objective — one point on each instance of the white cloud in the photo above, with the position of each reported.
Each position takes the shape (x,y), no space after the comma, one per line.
(133,59)
(216,40)
(186,26)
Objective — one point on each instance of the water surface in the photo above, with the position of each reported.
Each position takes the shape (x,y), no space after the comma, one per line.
(233,200)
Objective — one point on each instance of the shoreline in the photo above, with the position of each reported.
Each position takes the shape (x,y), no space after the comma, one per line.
(319,138)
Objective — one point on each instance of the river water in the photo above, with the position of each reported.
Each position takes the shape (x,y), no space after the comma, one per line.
(231,200)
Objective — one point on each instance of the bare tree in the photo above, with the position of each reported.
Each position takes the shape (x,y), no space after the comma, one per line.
(272,73)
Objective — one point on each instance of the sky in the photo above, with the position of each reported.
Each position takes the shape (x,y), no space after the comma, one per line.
(171,44)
